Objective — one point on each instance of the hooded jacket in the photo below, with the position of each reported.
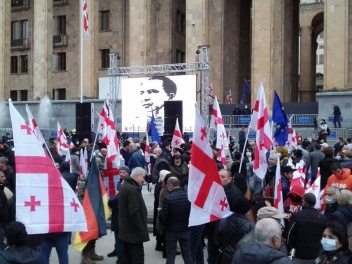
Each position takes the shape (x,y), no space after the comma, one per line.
(259,254)
(341,182)
(23,255)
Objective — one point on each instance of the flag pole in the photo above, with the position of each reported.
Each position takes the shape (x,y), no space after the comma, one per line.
(244,149)
(81,44)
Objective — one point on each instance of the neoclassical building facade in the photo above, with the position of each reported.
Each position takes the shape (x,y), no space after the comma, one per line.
(269,41)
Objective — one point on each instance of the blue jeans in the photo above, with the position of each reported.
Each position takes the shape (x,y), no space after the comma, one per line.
(58,240)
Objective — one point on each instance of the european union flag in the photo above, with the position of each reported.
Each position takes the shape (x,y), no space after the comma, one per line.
(281,120)
(246,91)
(153,131)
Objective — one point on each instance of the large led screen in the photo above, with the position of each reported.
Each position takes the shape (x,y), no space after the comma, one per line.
(142,95)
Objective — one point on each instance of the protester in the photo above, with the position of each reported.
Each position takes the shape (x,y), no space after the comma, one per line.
(17,251)
(133,230)
(9,174)
(306,221)
(162,162)
(337,115)
(136,158)
(179,169)
(265,249)
(341,178)
(343,213)
(313,161)
(325,166)
(286,177)
(323,130)
(4,209)
(335,245)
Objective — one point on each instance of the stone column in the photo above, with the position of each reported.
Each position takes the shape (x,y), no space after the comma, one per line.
(306,74)
(5,50)
(91,56)
(336,66)
(42,48)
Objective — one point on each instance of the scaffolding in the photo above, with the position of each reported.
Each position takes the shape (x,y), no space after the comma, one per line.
(203,66)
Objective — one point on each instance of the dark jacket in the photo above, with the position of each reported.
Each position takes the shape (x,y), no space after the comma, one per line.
(136,160)
(341,256)
(4,208)
(325,170)
(10,179)
(259,254)
(231,230)
(132,213)
(286,184)
(20,255)
(232,193)
(175,211)
(113,203)
(186,157)
(181,172)
(161,163)
(306,221)
(343,215)
(71,178)
(126,155)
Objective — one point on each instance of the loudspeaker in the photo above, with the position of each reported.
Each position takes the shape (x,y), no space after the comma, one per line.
(84,118)
(172,111)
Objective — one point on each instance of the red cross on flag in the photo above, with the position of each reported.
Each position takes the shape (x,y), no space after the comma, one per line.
(278,199)
(210,91)
(147,149)
(216,122)
(315,189)
(260,124)
(177,138)
(45,203)
(85,16)
(61,144)
(83,162)
(33,125)
(299,174)
(222,152)
(205,192)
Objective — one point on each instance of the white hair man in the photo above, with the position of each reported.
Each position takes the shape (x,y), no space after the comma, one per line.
(266,248)
(133,230)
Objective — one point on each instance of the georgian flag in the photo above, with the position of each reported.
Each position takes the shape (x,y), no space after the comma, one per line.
(147,149)
(205,192)
(33,125)
(83,162)
(315,189)
(61,144)
(45,203)
(177,138)
(216,122)
(85,17)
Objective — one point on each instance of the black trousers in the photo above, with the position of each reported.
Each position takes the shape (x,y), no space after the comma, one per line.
(133,253)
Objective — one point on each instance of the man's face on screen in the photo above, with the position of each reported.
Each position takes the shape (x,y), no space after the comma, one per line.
(152,94)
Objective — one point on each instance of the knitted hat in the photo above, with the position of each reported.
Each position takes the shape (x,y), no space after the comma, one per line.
(124,168)
(162,174)
(240,205)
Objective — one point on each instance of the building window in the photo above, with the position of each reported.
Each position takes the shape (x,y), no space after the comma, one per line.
(13,95)
(24,63)
(23,95)
(59,94)
(59,25)
(104,58)
(19,29)
(321,46)
(180,56)
(59,61)
(181,22)
(14,64)
(104,20)
(321,59)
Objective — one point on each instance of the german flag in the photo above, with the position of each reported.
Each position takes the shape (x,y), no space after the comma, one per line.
(95,206)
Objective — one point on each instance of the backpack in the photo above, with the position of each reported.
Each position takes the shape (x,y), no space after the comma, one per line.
(328,131)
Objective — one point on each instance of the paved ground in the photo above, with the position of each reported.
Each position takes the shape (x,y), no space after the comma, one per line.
(105,244)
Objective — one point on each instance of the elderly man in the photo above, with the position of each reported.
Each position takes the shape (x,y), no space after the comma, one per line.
(136,158)
(162,162)
(133,230)
(265,250)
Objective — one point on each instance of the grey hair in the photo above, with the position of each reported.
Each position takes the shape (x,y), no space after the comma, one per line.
(137,171)
(4,160)
(266,229)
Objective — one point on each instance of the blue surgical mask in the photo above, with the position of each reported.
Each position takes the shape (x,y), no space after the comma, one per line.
(330,200)
(328,244)
(338,157)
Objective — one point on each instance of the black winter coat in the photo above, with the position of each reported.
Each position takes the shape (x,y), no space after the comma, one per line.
(20,255)
(132,213)
(343,215)
(232,193)
(257,253)
(305,232)
(175,211)
(231,230)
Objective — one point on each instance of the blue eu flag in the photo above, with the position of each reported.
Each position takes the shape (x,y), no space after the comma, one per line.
(281,120)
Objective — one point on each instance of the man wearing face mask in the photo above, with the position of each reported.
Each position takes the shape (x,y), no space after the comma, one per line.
(162,162)
(179,169)
(341,178)
(266,248)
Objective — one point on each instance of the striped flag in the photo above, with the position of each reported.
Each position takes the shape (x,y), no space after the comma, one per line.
(95,206)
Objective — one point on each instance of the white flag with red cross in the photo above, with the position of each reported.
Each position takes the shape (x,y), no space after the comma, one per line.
(61,144)
(177,138)
(83,162)
(33,125)
(260,124)
(315,189)
(147,149)
(205,192)
(221,152)
(216,122)
(229,97)
(45,203)
(85,17)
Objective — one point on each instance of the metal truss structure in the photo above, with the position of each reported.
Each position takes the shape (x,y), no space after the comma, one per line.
(203,66)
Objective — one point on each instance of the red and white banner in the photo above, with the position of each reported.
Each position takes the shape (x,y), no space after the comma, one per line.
(45,203)
(222,152)
(278,199)
(229,97)
(85,17)
(33,125)
(61,145)
(315,189)
(260,124)
(83,162)
(205,192)
(147,149)
(177,138)
(210,91)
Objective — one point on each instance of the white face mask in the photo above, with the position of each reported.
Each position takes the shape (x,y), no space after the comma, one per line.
(249,154)
(177,163)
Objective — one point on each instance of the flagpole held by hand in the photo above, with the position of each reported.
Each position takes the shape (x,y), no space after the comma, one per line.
(244,149)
